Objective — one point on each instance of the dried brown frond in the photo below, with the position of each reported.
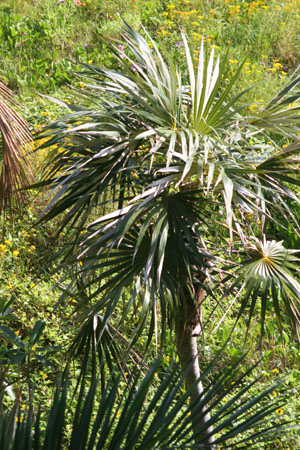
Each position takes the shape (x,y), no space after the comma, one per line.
(16,137)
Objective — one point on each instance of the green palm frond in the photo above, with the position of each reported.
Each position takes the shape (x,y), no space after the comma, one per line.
(101,346)
(132,415)
(268,274)
(151,248)
(281,115)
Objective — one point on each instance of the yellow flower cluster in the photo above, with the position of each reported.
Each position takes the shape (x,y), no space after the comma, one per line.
(234,10)
(3,249)
(253,6)
(182,14)
(164,32)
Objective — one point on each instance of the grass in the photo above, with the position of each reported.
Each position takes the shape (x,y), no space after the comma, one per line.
(42,41)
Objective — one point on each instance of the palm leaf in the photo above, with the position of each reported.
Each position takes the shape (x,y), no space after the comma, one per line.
(281,115)
(267,273)
(146,418)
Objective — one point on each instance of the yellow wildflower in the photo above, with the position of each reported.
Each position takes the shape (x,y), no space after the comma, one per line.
(253,107)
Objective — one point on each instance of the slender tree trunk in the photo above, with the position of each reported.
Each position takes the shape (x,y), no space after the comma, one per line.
(188,328)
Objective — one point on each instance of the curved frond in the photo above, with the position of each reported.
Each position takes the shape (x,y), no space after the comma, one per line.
(268,275)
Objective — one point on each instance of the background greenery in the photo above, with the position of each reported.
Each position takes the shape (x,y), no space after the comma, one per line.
(41,41)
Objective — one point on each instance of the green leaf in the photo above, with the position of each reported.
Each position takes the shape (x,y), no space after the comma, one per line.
(36,332)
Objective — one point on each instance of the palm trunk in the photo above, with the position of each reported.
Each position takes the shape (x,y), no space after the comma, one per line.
(188,328)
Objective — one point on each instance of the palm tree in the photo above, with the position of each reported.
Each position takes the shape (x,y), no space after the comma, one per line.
(171,185)
(16,170)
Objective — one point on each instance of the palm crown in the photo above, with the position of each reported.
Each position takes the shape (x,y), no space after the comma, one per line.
(167,161)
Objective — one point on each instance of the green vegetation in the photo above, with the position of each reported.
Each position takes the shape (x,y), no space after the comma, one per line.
(171,221)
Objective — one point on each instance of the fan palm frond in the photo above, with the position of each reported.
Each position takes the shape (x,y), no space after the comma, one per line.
(268,274)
